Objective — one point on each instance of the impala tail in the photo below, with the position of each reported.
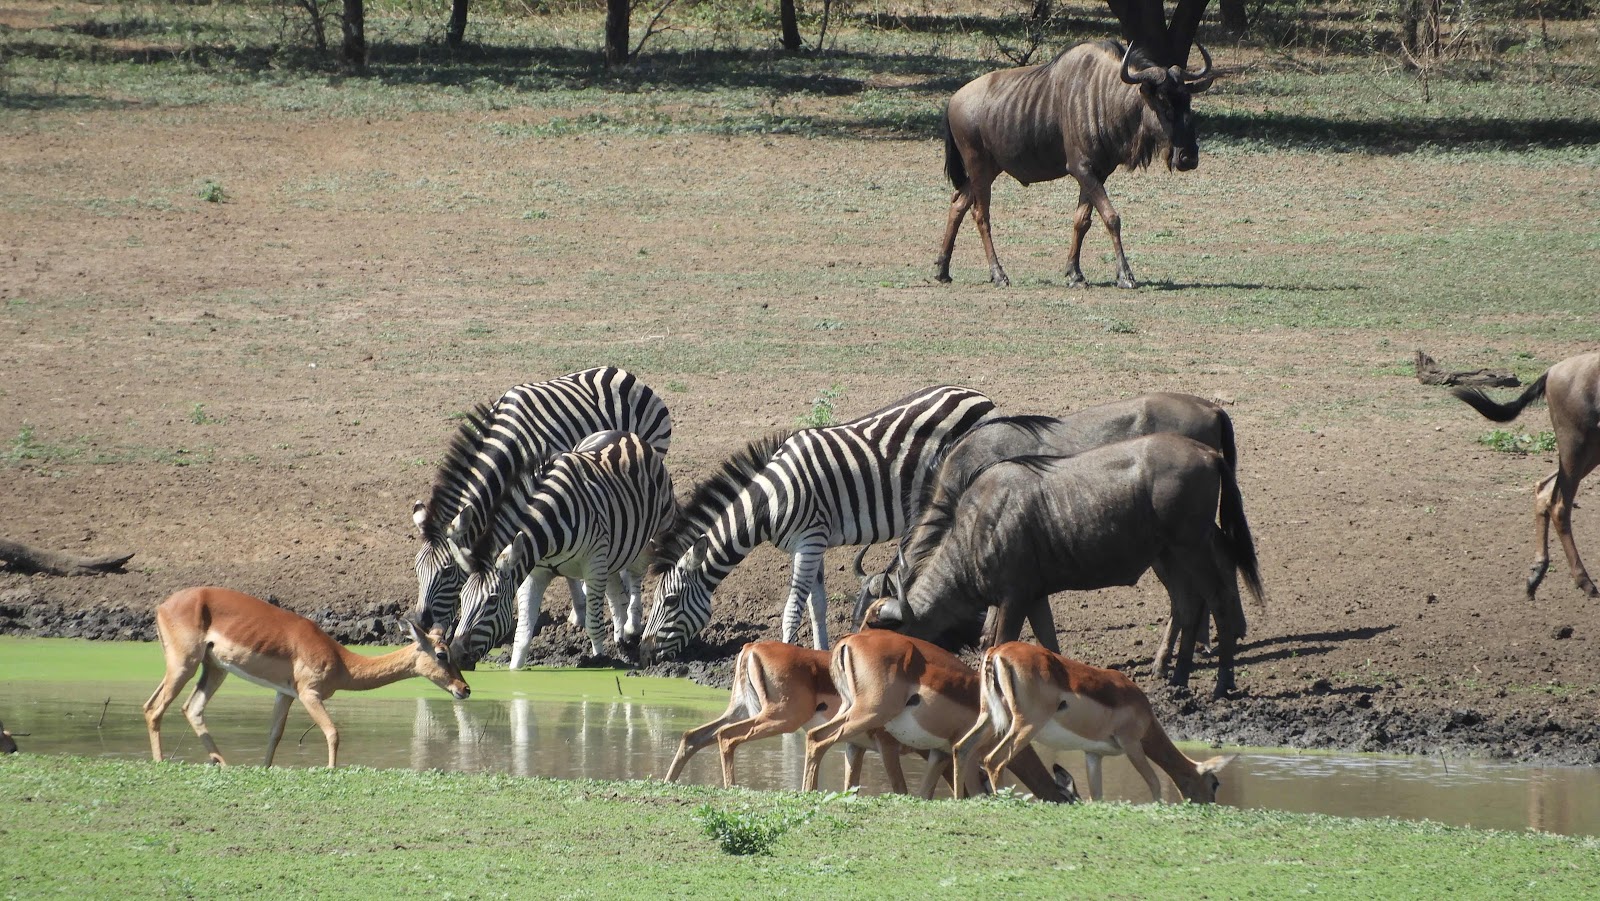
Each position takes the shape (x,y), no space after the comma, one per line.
(1477,400)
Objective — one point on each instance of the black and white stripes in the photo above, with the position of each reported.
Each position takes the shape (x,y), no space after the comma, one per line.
(495,443)
(586,514)
(852,483)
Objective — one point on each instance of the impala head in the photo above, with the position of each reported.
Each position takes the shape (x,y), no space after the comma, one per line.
(681,608)
(1202,788)
(438,576)
(433,661)
(1166,92)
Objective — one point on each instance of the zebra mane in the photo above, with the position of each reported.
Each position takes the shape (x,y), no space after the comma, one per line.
(939,510)
(482,554)
(444,499)
(712,495)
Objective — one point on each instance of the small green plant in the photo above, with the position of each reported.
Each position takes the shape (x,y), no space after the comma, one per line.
(212,192)
(743,832)
(27,448)
(1506,441)
(822,409)
(199,416)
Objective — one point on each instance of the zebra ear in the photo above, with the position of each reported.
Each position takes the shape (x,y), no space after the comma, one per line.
(419,515)
(695,556)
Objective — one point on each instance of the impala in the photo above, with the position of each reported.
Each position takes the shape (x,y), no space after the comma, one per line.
(779,688)
(218,631)
(1033,695)
(925,698)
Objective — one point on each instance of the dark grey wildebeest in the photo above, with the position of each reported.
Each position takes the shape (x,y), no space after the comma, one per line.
(1091,109)
(1572,388)
(1086,429)
(1029,526)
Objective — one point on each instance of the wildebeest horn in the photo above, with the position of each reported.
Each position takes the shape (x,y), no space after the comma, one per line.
(1199,81)
(861,571)
(1152,75)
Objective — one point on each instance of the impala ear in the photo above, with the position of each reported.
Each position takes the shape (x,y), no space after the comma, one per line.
(1216,763)
(418,634)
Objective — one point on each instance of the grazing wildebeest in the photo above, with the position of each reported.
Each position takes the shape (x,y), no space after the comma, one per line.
(1572,389)
(1015,436)
(1030,526)
(1091,109)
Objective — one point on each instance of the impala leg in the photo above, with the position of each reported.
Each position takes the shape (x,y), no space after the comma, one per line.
(691,743)
(731,736)
(180,669)
(1080,228)
(938,765)
(967,750)
(1091,765)
(854,720)
(1016,739)
(960,202)
(211,676)
(1135,752)
(319,715)
(530,597)
(854,755)
(280,716)
(891,751)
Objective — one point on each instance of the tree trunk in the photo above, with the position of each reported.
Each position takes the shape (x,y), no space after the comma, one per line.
(457,32)
(788,19)
(36,560)
(355,35)
(617,14)
(1235,16)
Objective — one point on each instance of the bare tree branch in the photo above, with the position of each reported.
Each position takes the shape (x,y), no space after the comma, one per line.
(29,559)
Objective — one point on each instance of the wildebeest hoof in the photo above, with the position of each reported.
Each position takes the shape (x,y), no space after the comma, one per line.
(1126,281)
(1076,280)
(1000,280)
(941,275)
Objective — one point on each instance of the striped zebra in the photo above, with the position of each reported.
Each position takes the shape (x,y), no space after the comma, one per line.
(495,442)
(805,491)
(587,514)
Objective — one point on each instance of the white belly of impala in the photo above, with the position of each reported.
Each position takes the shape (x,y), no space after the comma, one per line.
(907,731)
(264,683)
(1057,736)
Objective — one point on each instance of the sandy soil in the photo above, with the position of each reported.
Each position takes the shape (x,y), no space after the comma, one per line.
(253,392)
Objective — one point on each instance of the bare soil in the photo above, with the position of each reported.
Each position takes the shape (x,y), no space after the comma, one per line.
(253,392)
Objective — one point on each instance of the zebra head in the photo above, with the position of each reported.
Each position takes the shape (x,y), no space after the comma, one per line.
(681,608)
(438,577)
(489,600)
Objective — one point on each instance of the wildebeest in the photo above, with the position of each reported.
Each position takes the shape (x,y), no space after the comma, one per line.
(1572,389)
(1093,108)
(1014,436)
(1030,526)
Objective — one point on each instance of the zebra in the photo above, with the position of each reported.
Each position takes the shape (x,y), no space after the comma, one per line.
(586,514)
(804,491)
(494,442)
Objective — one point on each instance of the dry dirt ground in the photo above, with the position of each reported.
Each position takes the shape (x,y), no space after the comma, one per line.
(253,392)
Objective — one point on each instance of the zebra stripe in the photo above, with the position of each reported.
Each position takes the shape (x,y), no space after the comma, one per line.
(524,426)
(853,483)
(587,514)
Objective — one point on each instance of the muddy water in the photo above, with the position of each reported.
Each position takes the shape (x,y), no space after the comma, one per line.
(615,739)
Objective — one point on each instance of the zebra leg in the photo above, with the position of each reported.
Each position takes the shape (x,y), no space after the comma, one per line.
(804,573)
(580,595)
(530,597)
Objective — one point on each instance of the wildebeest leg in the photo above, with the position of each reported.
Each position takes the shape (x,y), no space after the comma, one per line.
(1543,500)
(1080,228)
(960,202)
(1566,491)
(1004,624)
(1043,622)
(980,217)
(1092,186)
(1187,586)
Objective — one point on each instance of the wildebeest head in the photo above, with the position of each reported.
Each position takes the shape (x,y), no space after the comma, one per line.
(1166,92)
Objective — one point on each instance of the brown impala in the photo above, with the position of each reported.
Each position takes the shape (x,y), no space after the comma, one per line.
(218,631)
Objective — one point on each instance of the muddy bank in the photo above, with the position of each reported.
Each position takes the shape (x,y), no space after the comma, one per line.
(1325,718)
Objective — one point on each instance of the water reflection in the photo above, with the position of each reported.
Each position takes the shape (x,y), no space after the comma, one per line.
(621,739)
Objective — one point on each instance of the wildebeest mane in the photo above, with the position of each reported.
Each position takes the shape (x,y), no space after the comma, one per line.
(1035,425)
(1112,131)
(712,495)
(939,509)
(444,498)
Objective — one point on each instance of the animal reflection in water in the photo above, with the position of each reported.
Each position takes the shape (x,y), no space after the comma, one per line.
(579,740)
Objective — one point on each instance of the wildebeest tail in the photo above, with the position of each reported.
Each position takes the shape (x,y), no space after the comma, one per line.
(954,168)
(1477,400)
(1236,532)
(1230,451)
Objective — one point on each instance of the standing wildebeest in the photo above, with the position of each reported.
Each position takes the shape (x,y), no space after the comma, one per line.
(1091,109)
(1016,436)
(1572,389)
(1030,526)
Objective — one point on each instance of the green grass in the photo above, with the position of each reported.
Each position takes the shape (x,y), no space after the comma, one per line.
(83,828)
(1507,441)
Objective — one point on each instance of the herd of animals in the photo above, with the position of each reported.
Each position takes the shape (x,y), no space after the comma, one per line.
(992,514)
